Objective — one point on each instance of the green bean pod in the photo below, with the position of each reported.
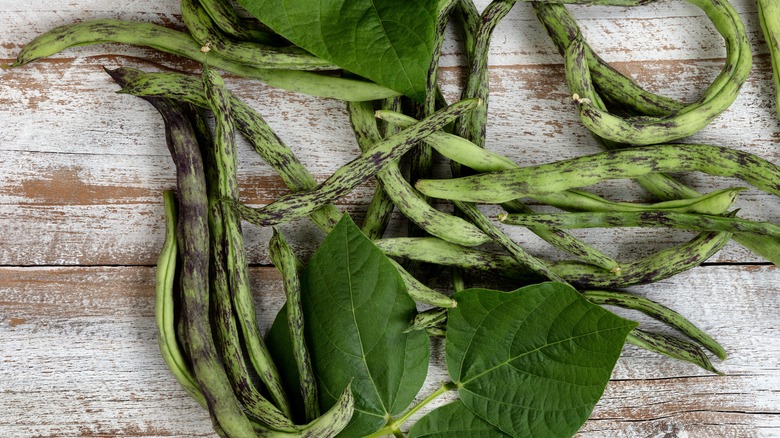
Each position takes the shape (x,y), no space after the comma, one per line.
(181,44)
(723,91)
(665,219)
(193,238)
(655,267)
(227,20)
(266,143)
(671,346)
(658,266)
(205,32)
(355,172)
(534,264)
(768,11)
(498,187)
(474,125)
(235,254)
(656,311)
(329,425)
(164,306)
(285,261)
(482,160)
(427,319)
(610,83)
(406,199)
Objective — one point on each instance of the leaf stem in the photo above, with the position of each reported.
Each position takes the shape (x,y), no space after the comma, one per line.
(394,425)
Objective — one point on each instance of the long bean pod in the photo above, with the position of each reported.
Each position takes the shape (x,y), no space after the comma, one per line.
(285,261)
(235,254)
(355,172)
(719,96)
(205,32)
(534,264)
(658,266)
(671,346)
(482,160)
(181,44)
(266,143)
(583,171)
(768,11)
(665,219)
(164,306)
(227,20)
(610,83)
(656,311)
(193,238)
(404,196)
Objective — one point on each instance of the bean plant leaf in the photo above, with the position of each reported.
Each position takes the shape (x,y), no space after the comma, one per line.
(389,41)
(535,361)
(356,310)
(454,420)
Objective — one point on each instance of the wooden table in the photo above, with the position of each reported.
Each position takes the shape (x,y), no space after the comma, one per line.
(81,220)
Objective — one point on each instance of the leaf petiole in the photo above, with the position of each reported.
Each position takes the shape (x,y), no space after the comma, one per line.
(394,425)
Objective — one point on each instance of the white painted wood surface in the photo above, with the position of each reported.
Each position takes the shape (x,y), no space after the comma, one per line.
(81,220)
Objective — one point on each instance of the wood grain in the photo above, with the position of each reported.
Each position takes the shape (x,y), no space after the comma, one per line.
(81,219)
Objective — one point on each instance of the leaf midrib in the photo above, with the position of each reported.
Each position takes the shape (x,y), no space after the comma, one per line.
(507,361)
(357,326)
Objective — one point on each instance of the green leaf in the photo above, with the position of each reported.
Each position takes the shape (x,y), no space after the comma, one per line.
(356,310)
(390,41)
(535,361)
(454,420)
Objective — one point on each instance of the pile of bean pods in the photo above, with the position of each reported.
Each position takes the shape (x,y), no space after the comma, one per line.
(207,323)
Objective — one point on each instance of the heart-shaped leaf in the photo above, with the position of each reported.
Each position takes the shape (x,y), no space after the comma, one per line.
(356,312)
(535,361)
(454,420)
(390,41)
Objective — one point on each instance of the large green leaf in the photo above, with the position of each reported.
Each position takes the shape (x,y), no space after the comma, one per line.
(388,41)
(454,420)
(535,361)
(356,312)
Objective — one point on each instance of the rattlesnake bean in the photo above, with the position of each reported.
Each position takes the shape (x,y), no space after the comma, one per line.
(181,44)
(498,187)
(666,219)
(656,311)
(193,240)
(285,261)
(357,171)
(205,32)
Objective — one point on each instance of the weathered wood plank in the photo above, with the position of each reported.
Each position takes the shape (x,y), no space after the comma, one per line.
(80,358)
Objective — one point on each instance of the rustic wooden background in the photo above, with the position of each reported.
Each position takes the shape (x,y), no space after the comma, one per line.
(81,220)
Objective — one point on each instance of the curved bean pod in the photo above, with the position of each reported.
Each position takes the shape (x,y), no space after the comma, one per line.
(193,238)
(285,261)
(204,31)
(266,143)
(181,44)
(536,265)
(404,196)
(611,84)
(671,346)
(235,255)
(663,264)
(164,306)
(227,20)
(355,172)
(583,171)
(656,311)
(689,120)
